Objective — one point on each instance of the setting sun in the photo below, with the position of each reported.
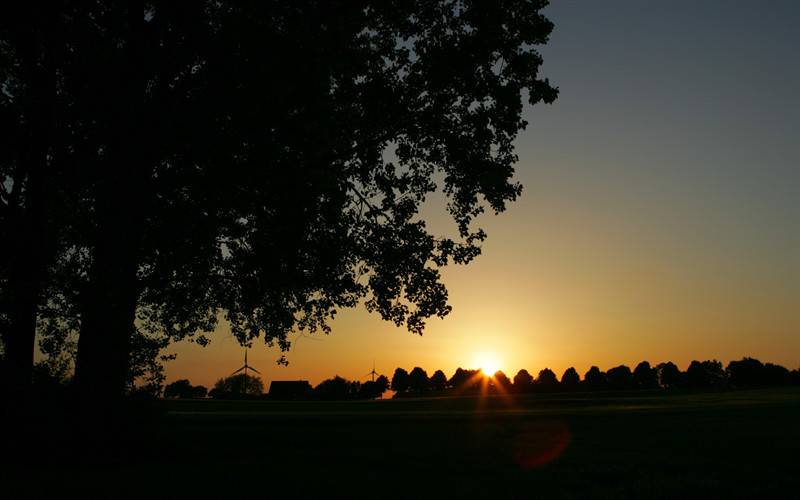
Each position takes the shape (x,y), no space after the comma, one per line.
(488,363)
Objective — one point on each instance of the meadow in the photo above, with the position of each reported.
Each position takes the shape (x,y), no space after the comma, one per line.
(735,444)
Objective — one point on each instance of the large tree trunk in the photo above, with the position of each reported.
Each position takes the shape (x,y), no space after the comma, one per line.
(24,287)
(108,317)
(109,305)
(29,225)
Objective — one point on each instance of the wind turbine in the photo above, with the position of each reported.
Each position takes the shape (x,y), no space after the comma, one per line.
(245,368)
(373,372)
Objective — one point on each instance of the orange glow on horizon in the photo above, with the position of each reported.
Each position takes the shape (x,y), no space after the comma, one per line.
(488,363)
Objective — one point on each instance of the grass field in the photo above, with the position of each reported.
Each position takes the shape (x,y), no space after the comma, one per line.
(742,444)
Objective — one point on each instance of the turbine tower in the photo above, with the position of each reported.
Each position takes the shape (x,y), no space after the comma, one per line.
(373,372)
(245,368)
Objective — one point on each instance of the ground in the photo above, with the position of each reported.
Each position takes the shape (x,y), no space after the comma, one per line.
(735,444)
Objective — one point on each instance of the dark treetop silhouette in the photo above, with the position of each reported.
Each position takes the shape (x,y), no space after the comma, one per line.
(665,377)
(167,163)
(708,374)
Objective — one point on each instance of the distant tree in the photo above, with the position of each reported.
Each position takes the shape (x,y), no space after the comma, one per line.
(570,379)
(704,374)
(595,379)
(199,392)
(794,377)
(374,389)
(335,388)
(418,380)
(353,389)
(669,375)
(382,383)
(523,381)
(237,387)
(369,390)
(400,380)
(745,372)
(645,376)
(619,378)
(547,380)
(180,389)
(464,379)
(776,374)
(183,389)
(438,380)
(501,381)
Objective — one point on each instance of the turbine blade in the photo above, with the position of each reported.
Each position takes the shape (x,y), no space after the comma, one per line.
(237,371)
(250,367)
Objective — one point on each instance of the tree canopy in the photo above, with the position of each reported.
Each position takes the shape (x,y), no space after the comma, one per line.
(262,162)
(237,387)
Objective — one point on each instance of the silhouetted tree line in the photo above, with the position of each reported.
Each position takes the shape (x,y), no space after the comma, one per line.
(338,388)
(709,374)
(243,386)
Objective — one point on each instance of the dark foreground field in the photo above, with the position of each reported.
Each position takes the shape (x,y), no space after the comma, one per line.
(742,444)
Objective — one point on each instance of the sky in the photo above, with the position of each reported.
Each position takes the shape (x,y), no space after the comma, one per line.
(660,218)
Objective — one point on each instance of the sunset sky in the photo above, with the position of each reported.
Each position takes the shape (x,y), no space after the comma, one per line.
(660,217)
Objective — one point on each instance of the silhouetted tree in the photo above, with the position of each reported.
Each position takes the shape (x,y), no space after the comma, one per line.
(374,389)
(644,376)
(335,388)
(501,381)
(751,372)
(547,380)
(36,177)
(210,174)
(383,383)
(199,392)
(400,381)
(594,379)
(418,380)
(438,380)
(523,381)
(181,389)
(237,387)
(707,373)
(464,379)
(619,378)
(794,377)
(570,380)
(745,372)
(669,375)
(776,374)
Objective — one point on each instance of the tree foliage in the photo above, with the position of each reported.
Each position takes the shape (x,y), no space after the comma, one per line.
(570,379)
(183,389)
(594,378)
(262,162)
(546,380)
(523,380)
(501,381)
(669,375)
(400,381)
(645,376)
(466,379)
(418,380)
(239,386)
(438,380)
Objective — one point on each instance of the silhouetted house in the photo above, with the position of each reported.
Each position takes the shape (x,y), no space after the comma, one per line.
(290,389)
